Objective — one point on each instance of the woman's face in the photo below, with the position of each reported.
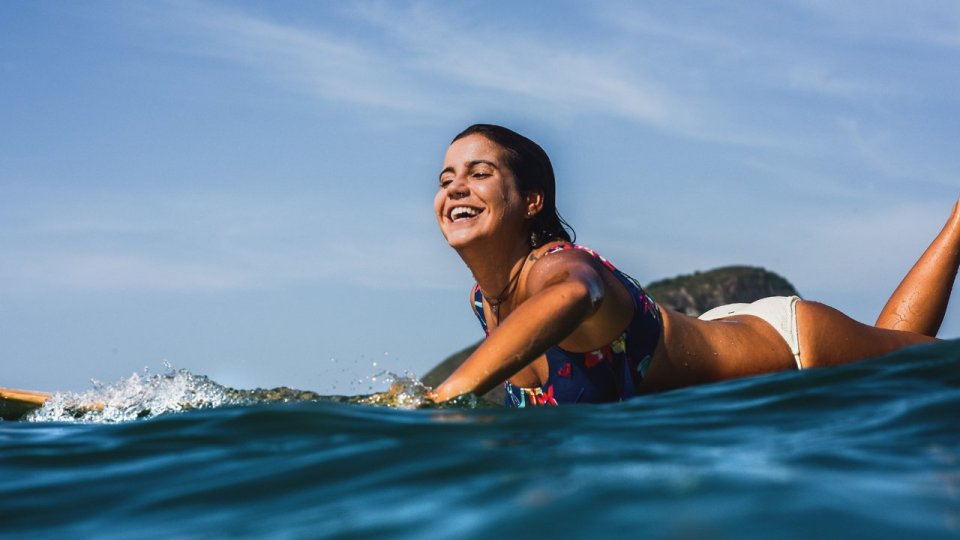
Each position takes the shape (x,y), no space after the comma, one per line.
(478,196)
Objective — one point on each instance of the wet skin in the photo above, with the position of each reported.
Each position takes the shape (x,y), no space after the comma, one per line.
(569,300)
(566,299)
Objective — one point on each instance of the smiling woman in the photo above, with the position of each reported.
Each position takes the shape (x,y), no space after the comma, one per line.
(564,325)
(530,169)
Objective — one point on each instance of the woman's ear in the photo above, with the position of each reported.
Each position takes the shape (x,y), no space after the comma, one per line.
(534,202)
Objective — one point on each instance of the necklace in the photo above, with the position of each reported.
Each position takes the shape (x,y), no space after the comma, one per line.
(495,301)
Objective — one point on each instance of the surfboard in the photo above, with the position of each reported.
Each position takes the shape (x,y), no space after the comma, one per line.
(16,403)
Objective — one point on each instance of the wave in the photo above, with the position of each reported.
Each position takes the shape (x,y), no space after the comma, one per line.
(867,450)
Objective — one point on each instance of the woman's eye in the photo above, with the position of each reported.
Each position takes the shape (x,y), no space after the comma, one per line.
(444,182)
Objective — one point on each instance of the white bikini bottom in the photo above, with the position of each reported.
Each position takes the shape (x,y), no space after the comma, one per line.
(780,312)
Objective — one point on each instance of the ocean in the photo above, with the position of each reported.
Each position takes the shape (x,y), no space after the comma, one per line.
(867,450)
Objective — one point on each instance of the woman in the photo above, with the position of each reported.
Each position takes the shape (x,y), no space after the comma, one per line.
(564,325)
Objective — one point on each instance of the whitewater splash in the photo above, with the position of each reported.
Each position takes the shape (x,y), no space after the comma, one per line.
(178,390)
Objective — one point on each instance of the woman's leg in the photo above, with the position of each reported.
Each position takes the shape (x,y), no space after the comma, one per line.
(830,338)
(920,301)
(912,315)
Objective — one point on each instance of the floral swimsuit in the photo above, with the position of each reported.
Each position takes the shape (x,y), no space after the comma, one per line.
(607,374)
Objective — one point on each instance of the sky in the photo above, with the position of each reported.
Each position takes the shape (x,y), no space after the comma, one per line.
(245,189)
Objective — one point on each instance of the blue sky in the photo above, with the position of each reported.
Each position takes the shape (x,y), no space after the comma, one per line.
(245,189)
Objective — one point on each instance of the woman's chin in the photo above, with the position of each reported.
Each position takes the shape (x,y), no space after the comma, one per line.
(461,239)
(459,242)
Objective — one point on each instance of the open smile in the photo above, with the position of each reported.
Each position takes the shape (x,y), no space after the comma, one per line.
(463,213)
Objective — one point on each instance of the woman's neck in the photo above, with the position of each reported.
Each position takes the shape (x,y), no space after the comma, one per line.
(495,269)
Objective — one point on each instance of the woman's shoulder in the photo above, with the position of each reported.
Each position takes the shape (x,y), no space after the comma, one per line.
(560,260)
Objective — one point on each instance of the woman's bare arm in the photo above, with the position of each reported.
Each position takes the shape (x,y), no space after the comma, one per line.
(563,291)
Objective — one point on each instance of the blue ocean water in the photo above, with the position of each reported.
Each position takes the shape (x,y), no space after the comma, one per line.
(867,450)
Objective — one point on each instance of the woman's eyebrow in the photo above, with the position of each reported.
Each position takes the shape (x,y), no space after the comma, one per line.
(481,162)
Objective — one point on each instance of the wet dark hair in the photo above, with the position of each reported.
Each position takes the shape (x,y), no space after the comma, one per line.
(532,169)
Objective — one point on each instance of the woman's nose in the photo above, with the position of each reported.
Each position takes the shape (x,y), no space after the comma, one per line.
(458,188)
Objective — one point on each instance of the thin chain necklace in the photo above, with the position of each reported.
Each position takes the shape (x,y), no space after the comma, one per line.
(495,301)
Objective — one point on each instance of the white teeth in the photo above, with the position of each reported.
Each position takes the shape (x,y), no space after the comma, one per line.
(462,212)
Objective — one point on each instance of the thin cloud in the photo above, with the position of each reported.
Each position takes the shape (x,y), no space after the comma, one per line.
(555,76)
(703,38)
(521,66)
(424,67)
(884,154)
(122,272)
(314,61)
(819,79)
(929,22)
(410,59)
(219,241)
(751,52)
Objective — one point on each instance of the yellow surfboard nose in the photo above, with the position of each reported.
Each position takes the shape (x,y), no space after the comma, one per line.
(16,403)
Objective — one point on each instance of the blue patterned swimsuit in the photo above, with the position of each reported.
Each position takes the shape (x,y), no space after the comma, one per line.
(609,373)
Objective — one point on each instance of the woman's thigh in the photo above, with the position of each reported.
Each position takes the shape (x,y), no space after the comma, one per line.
(830,338)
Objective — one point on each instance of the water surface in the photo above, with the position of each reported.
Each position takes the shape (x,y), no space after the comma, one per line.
(868,450)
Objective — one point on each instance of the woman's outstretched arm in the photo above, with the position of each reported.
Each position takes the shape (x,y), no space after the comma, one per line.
(920,301)
(561,296)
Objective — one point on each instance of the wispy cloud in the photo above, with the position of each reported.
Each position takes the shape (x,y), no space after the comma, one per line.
(931,22)
(738,80)
(746,50)
(218,241)
(668,70)
(491,58)
(887,158)
(316,61)
(123,272)
(827,80)
(420,63)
